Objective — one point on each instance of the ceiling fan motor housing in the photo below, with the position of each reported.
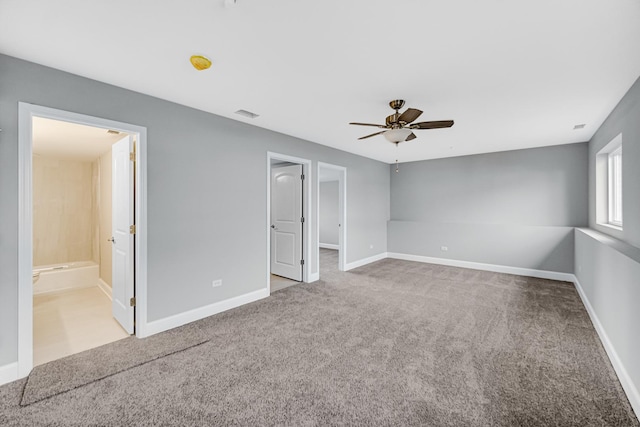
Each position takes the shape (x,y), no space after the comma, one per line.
(392,120)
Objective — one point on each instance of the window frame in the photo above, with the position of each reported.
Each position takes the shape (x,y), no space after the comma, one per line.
(609,187)
(614,187)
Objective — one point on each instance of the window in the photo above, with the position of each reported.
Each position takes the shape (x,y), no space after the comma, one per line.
(614,187)
(609,184)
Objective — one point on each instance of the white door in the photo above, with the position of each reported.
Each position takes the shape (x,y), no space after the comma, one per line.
(122,240)
(286,221)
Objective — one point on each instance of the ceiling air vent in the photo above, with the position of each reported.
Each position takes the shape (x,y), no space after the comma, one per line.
(248,114)
(113,132)
(580,126)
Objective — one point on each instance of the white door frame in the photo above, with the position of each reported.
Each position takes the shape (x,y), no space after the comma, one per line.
(342,215)
(26,112)
(306,213)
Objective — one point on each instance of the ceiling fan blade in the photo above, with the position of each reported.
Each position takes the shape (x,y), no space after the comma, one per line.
(432,125)
(410,115)
(368,124)
(410,137)
(373,134)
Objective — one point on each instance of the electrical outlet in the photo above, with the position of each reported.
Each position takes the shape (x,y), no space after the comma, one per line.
(217,283)
(444,248)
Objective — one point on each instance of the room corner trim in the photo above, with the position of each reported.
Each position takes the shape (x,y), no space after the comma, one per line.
(176,320)
(8,373)
(314,277)
(104,288)
(365,261)
(630,389)
(329,246)
(530,272)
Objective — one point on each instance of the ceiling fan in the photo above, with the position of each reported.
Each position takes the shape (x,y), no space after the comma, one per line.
(399,127)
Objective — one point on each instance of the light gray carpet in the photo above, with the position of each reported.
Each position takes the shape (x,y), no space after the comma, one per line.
(77,370)
(391,343)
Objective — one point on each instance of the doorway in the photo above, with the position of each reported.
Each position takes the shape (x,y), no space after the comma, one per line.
(288,210)
(332,217)
(65,275)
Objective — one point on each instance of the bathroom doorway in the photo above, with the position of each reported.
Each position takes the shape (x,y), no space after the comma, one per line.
(73,171)
(81,216)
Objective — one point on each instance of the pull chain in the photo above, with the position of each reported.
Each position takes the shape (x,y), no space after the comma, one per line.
(396,159)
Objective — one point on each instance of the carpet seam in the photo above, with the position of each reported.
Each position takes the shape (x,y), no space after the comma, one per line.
(104,377)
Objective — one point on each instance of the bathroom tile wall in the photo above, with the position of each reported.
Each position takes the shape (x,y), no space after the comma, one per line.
(62,211)
(103,218)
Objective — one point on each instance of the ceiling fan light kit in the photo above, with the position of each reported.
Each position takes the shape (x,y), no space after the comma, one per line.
(397,135)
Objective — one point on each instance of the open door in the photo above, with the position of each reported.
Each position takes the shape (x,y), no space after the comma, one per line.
(123,234)
(286,222)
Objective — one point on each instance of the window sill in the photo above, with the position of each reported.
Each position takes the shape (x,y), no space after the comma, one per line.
(611,226)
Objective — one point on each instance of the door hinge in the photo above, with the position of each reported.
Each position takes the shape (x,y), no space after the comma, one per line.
(302,177)
(132,302)
(302,219)
(301,262)
(132,229)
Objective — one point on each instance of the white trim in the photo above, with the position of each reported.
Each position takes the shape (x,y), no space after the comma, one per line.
(313,277)
(342,206)
(25,239)
(628,386)
(208,310)
(26,112)
(365,261)
(104,288)
(329,246)
(307,170)
(8,373)
(543,274)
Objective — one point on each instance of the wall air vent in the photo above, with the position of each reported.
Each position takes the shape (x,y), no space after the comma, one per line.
(248,114)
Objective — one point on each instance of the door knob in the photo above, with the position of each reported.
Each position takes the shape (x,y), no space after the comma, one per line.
(112,240)
(273,226)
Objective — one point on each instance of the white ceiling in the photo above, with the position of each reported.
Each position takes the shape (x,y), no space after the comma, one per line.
(512,74)
(63,140)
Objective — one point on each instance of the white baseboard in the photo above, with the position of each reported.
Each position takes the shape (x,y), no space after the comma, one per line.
(8,373)
(314,277)
(200,313)
(104,288)
(629,387)
(530,272)
(365,261)
(329,246)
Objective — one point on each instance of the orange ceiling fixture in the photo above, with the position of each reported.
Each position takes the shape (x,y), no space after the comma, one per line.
(200,62)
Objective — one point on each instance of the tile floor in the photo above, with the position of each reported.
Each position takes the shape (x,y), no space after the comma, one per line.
(279,283)
(69,322)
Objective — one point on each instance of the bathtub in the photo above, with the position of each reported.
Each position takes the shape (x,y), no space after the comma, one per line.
(70,275)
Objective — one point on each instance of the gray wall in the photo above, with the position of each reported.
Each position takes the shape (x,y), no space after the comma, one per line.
(609,274)
(608,268)
(206,217)
(329,214)
(514,208)
(625,119)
